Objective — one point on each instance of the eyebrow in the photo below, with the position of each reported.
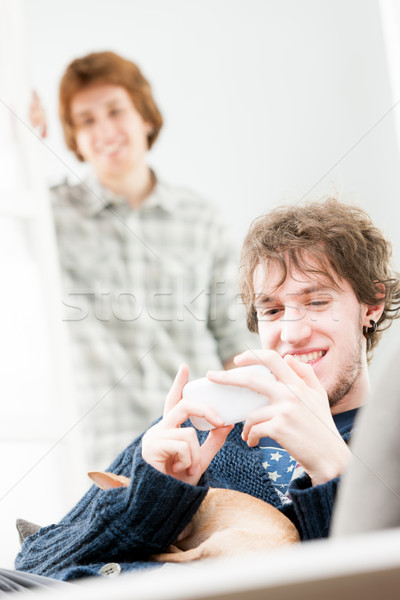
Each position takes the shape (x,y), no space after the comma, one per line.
(85,113)
(81,115)
(306,291)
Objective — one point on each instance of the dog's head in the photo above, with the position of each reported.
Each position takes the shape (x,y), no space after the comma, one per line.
(106,481)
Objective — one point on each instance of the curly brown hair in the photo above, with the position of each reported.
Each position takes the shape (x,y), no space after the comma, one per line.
(340,239)
(106,68)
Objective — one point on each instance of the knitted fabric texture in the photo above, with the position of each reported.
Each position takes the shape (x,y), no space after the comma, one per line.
(127,525)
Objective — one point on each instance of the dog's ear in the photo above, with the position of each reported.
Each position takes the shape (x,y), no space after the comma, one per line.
(25,529)
(106,481)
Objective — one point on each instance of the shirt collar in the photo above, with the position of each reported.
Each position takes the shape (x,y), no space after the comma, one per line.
(98,197)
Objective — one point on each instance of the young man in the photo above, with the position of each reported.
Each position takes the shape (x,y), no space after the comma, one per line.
(147,267)
(318,287)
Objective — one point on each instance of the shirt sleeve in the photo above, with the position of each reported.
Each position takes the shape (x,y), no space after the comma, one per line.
(311,507)
(227,315)
(123,524)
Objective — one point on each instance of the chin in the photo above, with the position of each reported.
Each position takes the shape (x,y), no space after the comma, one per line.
(115,169)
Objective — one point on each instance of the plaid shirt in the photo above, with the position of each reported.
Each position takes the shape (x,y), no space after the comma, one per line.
(143,291)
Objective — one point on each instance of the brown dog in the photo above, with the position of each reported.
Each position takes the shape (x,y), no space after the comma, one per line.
(227,522)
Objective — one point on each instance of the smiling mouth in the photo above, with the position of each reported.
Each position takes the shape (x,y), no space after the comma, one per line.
(110,149)
(309,357)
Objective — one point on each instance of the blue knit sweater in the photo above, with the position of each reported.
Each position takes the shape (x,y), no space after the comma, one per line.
(126,525)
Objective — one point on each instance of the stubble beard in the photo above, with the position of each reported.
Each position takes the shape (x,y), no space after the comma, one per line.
(348,380)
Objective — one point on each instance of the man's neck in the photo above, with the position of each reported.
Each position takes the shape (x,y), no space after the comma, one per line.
(134,186)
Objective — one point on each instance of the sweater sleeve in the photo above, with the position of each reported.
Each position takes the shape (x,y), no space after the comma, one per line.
(311,507)
(115,525)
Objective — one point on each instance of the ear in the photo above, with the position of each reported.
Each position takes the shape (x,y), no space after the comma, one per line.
(25,529)
(148,128)
(374,312)
(106,481)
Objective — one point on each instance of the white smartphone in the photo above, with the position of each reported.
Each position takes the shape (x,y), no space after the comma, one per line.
(231,402)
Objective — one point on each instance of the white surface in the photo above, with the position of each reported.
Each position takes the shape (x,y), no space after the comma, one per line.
(361,567)
(233,404)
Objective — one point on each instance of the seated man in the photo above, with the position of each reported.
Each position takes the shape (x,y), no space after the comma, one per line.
(318,287)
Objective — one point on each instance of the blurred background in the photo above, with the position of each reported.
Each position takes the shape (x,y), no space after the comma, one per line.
(264,102)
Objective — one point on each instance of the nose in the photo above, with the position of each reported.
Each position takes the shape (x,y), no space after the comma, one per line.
(105,128)
(295,326)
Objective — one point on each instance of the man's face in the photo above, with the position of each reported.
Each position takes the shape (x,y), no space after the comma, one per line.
(318,323)
(110,133)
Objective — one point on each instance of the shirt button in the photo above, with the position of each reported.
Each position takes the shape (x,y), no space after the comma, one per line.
(110,570)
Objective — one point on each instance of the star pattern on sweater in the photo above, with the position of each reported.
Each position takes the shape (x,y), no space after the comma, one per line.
(280,466)
(276,456)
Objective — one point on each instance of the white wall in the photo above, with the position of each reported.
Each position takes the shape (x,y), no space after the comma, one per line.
(39,440)
(264,101)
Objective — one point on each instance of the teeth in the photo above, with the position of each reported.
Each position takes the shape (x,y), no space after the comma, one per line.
(110,149)
(309,357)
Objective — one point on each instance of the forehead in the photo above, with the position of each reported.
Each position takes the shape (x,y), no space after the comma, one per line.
(97,96)
(267,280)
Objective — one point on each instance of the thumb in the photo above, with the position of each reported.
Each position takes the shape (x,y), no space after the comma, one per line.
(213,444)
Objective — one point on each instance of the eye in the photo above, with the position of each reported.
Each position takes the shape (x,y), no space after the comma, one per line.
(86,122)
(268,314)
(319,303)
(115,112)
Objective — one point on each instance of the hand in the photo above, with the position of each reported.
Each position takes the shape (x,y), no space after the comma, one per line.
(37,115)
(176,451)
(298,416)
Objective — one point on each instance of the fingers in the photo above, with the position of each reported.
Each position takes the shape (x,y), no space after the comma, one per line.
(167,450)
(179,453)
(185,409)
(261,382)
(37,115)
(177,411)
(255,356)
(306,372)
(256,433)
(175,450)
(257,424)
(254,381)
(213,444)
(271,359)
(286,370)
(175,393)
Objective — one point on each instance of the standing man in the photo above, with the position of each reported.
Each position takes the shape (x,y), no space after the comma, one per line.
(319,288)
(148,268)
